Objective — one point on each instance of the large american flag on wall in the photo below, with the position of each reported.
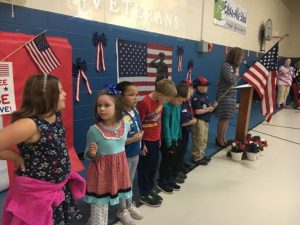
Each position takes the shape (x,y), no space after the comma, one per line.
(262,76)
(134,63)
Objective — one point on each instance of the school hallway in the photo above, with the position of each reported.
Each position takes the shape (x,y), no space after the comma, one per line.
(225,192)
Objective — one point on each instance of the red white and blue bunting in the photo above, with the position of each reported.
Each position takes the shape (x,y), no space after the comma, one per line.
(79,70)
(180,51)
(99,42)
(188,77)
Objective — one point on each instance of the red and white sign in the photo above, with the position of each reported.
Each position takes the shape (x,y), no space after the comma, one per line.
(7,90)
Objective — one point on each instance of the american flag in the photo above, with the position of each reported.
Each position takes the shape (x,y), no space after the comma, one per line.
(42,55)
(262,76)
(134,63)
(4,69)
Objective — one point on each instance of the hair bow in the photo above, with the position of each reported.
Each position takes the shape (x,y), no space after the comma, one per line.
(112,89)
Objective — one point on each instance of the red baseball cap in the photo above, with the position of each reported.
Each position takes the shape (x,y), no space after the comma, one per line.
(200,81)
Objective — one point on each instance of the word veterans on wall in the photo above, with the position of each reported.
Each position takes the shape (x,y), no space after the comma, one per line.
(7,91)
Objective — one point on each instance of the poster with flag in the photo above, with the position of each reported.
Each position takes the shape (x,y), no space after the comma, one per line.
(134,63)
(262,76)
(7,90)
(41,53)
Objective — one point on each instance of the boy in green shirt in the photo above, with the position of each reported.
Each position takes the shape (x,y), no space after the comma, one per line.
(171,136)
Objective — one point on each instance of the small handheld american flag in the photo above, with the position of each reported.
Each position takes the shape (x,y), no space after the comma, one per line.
(41,53)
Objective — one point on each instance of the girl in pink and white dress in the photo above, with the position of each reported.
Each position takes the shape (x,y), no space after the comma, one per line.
(108,177)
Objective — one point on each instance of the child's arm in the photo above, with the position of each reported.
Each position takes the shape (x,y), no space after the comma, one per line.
(13,134)
(91,145)
(136,137)
(193,121)
(211,108)
(202,111)
(13,156)
(17,132)
(92,152)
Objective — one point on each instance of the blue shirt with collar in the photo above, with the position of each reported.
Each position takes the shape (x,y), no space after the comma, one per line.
(201,101)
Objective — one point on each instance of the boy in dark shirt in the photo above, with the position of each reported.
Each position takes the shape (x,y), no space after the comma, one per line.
(202,110)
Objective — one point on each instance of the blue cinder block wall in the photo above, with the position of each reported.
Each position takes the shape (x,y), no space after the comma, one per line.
(79,32)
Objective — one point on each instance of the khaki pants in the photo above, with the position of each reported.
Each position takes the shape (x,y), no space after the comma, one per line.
(283,92)
(199,139)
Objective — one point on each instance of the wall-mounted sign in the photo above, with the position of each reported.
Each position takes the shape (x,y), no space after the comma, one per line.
(229,15)
(7,90)
(158,16)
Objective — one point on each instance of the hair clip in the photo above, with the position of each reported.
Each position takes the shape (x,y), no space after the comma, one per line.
(45,82)
(112,89)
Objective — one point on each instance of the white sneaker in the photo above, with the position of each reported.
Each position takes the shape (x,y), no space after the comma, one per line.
(135,213)
(125,217)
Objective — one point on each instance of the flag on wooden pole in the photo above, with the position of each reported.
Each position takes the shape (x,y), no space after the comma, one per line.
(262,76)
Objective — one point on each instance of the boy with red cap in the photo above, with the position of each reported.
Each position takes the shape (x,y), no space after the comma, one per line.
(202,111)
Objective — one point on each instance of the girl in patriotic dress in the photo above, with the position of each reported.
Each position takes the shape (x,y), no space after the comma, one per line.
(43,180)
(108,176)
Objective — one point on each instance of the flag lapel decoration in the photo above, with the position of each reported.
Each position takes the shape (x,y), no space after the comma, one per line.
(134,63)
(262,76)
(42,55)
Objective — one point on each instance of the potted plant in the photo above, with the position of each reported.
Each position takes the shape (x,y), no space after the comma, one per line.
(262,143)
(237,150)
(252,151)
(250,148)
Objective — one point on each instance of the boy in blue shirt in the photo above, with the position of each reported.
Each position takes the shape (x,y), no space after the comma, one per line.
(202,110)
(187,122)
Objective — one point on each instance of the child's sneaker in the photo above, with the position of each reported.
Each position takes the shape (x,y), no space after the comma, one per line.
(150,200)
(165,188)
(175,186)
(154,194)
(134,212)
(182,175)
(125,217)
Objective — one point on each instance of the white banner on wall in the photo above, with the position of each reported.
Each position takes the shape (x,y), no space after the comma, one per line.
(166,17)
(7,90)
(229,15)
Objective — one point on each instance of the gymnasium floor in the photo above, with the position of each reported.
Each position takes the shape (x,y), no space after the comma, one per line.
(262,192)
(235,193)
